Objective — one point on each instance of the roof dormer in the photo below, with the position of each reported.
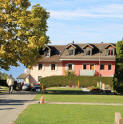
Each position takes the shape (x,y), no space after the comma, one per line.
(71,49)
(47,51)
(110,48)
(88,49)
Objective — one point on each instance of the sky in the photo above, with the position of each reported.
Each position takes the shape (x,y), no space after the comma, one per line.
(81,21)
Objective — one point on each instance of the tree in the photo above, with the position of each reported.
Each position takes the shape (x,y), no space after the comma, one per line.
(22,32)
(118,77)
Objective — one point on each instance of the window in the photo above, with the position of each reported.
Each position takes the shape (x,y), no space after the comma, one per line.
(84,66)
(102,67)
(92,67)
(87,52)
(39,77)
(53,66)
(46,53)
(110,52)
(40,66)
(110,67)
(71,52)
(69,66)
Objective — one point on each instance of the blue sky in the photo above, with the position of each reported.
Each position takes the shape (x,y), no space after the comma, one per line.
(81,21)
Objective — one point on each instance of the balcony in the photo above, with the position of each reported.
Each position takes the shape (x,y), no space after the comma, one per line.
(87,72)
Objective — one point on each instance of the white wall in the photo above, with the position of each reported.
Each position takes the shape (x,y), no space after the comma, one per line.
(46,71)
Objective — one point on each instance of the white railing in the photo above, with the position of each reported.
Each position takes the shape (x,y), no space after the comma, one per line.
(87,72)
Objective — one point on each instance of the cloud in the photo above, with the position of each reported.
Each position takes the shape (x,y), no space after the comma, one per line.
(109,11)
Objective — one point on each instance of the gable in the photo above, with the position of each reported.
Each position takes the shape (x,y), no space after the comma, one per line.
(109,46)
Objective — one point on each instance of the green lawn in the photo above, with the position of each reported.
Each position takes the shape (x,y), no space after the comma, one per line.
(64,88)
(68,114)
(76,95)
(82,98)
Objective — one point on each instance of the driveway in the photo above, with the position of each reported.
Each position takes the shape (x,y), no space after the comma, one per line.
(11,105)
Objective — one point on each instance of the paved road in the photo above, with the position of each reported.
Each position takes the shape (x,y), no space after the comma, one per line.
(12,105)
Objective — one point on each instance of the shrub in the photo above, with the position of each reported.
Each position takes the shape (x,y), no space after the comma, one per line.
(84,81)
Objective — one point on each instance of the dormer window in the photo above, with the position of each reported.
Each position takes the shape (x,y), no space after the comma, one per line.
(88,49)
(71,51)
(110,49)
(111,52)
(71,48)
(47,51)
(88,52)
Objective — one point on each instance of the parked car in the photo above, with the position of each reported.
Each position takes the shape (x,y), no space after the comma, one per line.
(36,88)
(19,87)
(26,87)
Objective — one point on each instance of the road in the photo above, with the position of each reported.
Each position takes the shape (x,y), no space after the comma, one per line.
(11,105)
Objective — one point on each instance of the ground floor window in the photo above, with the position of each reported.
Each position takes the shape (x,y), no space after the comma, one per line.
(70,67)
(39,77)
(102,66)
(40,66)
(110,67)
(53,66)
(91,66)
(84,66)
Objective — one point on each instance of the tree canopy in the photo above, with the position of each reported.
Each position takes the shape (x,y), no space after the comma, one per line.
(118,77)
(22,32)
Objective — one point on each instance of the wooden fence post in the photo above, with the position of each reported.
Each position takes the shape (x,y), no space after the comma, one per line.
(118,119)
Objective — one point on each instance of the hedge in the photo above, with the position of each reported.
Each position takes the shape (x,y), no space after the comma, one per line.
(84,81)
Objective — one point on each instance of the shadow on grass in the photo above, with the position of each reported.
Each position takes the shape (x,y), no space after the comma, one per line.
(66,92)
(80,92)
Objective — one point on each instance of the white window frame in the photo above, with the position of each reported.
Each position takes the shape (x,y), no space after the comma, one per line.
(72,66)
(42,67)
(56,67)
(90,66)
(38,78)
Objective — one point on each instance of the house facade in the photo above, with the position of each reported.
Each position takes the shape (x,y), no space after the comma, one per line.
(83,59)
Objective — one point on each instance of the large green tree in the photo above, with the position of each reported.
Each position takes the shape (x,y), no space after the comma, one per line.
(22,32)
(118,77)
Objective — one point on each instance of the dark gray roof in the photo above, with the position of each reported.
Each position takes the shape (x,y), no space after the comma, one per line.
(59,52)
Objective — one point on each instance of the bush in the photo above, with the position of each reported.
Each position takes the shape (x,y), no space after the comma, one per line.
(84,81)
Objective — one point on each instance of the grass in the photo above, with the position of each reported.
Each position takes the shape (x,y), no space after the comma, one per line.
(72,95)
(68,114)
(82,98)
(71,113)
(64,89)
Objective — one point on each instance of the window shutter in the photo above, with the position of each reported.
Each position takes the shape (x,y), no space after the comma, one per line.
(49,66)
(37,66)
(66,67)
(56,67)
(43,67)
(72,66)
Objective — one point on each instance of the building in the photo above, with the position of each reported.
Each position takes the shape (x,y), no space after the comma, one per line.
(97,59)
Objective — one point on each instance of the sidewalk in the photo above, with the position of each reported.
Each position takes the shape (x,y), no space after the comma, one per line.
(87,103)
(11,105)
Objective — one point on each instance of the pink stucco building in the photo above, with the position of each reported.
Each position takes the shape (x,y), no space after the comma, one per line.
(84,59)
